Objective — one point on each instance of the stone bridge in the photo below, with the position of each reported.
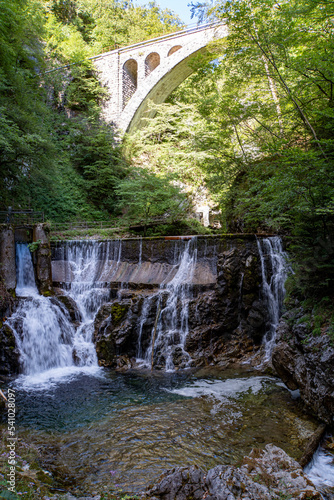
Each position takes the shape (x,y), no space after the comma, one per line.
(149,70)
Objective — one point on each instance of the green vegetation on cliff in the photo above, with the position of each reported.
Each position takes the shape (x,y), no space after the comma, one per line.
(57,154)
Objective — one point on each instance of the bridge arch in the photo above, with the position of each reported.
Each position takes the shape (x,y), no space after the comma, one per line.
(130,80)
(174,49)
(152,61)
(149,70)
(160,84)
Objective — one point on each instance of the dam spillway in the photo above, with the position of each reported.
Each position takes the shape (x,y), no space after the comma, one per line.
(163,303)
(147,261)
(169,302)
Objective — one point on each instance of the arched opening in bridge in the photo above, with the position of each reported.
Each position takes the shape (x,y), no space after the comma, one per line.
(151,62)
(174,49)
(130,80)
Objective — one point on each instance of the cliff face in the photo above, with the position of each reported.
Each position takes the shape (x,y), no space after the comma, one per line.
(306,362)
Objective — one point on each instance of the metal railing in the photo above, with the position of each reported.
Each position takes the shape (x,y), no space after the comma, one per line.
(20,217)
(126,223)
(77,225)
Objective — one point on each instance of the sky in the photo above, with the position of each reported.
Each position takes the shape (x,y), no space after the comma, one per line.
(178,6)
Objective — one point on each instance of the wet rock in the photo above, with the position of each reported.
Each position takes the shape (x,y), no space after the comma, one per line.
(306,362)
(312,445)
(123,363)
(9,354)
(116,328)
(238,292)
(264,475)
(70,306)
(255,318)
(181,483)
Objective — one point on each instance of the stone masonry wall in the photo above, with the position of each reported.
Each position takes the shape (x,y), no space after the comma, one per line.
(7,256)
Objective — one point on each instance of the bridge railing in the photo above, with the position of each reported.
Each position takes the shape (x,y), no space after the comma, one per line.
(191,28)
(21,217)
(126,223)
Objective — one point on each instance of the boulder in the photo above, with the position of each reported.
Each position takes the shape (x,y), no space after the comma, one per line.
(306,362)
(116,328)
(265,474)
(70,306)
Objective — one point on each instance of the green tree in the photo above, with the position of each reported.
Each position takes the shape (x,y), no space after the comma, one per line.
(143,195)
(24,143)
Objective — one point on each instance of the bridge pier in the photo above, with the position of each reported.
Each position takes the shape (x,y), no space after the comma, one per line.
(41,257)
(7,256)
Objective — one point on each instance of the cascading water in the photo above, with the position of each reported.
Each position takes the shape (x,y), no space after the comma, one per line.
(274,270)
(42,329)
(25,276)
(45,336)
(321,470)
(47,340)
(88,263)
(171,327)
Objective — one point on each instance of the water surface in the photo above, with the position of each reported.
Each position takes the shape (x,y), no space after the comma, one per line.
(107,431)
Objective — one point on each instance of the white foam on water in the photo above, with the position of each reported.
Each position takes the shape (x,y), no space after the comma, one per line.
(321,469)
(229,388)
(51,378)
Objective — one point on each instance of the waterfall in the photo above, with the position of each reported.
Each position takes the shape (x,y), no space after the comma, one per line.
(171,327)
(25,276)
(143,319)
(140,252)
(89,263)
(274,271)
(42,329)
(47,338)
(44,334)
(321,469)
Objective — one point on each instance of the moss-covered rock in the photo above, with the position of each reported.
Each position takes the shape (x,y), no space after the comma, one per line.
(118,312)
(111,331)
